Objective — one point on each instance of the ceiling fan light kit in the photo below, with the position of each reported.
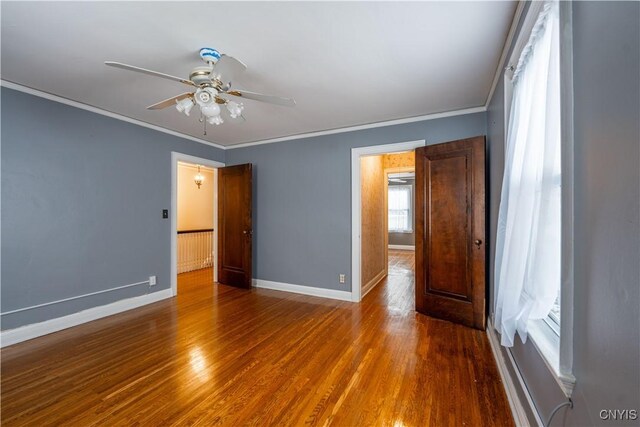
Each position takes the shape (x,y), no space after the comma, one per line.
(235,109)
(213,84)
(184,105)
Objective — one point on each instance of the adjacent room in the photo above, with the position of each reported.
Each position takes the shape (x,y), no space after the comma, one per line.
(320,213)
(387,223)
(195,233)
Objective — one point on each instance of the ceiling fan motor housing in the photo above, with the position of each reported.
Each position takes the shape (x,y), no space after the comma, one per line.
(201,75)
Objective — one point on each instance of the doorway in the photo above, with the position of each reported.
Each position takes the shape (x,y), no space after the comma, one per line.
(387,228)
(450,254)
(401,230)
(194,219)
(373,261)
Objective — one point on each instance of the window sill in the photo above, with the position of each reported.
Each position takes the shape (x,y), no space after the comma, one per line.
(547,343)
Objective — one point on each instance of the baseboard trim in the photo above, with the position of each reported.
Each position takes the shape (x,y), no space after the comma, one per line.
(517,407)
(403,247)
(304,290)
(373,282)
(27,332)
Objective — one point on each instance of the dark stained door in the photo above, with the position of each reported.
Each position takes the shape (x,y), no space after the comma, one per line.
(234,226)
(450,231)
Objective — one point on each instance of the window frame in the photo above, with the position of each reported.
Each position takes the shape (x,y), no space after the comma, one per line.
(554,341)
(410,230)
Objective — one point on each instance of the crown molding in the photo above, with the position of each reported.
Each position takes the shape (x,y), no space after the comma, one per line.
(363,127)
(66,101)
(505,50)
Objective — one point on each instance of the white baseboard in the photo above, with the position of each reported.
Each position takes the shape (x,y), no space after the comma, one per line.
(517,407)
(305,290)
(27,332)
(403,247)
(373,282)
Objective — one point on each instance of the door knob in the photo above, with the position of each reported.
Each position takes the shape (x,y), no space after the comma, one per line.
(478,242)
(249,232)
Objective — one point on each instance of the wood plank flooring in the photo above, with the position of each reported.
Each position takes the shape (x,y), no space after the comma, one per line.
(217,355)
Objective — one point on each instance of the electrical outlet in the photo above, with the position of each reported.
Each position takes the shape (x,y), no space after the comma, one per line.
(342,278)
(152,280)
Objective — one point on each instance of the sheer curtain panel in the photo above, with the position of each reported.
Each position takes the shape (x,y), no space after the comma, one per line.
(527,268)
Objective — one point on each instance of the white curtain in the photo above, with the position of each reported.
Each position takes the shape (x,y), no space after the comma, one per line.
(399,202)
(527,268)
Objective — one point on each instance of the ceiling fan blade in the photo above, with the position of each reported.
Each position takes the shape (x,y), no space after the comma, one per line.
(287,102)
(169,102)
(227,69)
(149,72)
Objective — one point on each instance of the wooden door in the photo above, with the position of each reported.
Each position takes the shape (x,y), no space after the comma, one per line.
(450,231)
(234,226)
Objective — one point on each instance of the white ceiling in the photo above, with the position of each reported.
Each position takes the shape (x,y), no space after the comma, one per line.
(345,64)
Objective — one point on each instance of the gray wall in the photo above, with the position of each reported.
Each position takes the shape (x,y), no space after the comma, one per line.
(302,197)
(607,218)
(82,196)
(406,239)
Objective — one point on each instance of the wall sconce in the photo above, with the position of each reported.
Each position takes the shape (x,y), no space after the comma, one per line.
(199,178)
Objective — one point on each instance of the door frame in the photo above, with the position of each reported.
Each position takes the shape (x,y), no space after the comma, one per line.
(356,214)
(173,213)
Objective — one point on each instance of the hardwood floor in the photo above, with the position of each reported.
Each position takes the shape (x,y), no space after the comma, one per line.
(217,355)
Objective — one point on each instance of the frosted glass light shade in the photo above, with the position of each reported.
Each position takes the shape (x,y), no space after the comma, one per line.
(215,120)
(235,109)
(184,106)
(210,110)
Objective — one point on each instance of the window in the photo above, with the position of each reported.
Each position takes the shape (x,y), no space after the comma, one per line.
(553,319)
(534,242)
(400,215)
(528,243)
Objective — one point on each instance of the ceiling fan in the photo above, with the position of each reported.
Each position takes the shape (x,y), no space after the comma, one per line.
(212,83)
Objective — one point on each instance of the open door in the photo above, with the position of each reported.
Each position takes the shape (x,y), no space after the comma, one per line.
(234,226)
(450,231)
